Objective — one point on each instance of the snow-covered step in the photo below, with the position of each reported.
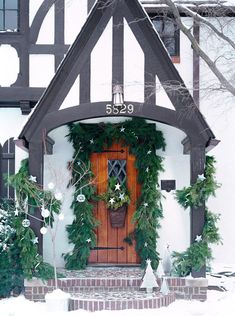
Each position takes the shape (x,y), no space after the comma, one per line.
(115,280)
(119,300)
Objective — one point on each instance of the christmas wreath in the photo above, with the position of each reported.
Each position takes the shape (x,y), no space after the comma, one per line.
(116,195)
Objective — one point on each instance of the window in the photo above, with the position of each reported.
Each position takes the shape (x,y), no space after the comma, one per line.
(8,15)
(117,169)
(169,33)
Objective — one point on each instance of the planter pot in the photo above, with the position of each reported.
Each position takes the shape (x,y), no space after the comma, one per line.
(57,301)
(118,216)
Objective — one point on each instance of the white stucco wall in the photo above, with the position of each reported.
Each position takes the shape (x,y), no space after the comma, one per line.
(55,170)
(37,77)
(47,30)
(101,67)
(11,122)
(176,221)
(133,67)
(9,65)
(218,108)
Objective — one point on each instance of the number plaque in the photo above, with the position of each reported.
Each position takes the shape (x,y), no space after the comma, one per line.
(113,109)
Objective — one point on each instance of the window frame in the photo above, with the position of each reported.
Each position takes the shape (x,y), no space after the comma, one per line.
(4,10)
(176,56)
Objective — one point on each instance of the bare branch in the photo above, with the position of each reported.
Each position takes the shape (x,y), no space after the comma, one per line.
(222,79)
(198,18)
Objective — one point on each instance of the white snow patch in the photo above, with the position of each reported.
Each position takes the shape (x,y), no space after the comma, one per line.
(217,304)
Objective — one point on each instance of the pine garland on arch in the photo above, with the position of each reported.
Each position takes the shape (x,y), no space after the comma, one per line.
(143,140)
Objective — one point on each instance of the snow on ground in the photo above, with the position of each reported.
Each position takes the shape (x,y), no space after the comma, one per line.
(219,303)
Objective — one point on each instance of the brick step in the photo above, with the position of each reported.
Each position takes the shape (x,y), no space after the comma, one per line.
(94,280)
(76,289)
(95,283)
(119,300)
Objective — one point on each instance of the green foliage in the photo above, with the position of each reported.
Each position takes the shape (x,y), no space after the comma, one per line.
(201,190)
(45,271)
(30,196)
(119,197)
(29,257)
(199,253)
(10,269)
(143,140)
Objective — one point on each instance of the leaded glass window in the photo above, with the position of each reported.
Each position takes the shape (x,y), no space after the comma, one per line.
(117,169)
(169,33)
(9,12)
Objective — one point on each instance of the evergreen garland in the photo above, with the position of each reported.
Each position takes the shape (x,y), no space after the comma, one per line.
(143,140)
(199,253)
(202,189)
(10,269)
(30,196)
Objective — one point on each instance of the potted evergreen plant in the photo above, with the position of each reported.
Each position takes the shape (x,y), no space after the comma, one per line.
(117,199)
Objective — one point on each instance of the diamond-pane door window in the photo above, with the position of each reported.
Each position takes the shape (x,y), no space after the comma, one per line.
(117,169)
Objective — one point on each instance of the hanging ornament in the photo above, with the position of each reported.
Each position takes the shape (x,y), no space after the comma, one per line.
(112,201)
(26,223)
(32,178)
(117,186)
(16,212)
(149,152)
(201,177)
(45,212)
(58,196)
(43,230)
(147,169)
(122,129)
(61,217)
(88,240)
(92,141)
(146,205)
(81,198)
(121,196)
(198,238)
(35,240)
(51,186)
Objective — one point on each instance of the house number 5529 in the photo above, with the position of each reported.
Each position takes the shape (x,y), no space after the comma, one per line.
(123,109)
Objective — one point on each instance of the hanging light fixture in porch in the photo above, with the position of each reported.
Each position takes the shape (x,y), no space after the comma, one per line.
(118,99)
(118,106)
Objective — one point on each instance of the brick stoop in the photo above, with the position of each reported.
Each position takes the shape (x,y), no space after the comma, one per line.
(115,288)
(124,300)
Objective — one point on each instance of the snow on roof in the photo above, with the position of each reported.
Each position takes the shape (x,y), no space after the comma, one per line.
(151,3)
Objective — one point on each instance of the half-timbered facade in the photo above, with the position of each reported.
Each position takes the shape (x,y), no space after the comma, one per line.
(63,61)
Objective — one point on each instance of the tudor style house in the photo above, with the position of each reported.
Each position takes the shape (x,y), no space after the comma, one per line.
(78,61)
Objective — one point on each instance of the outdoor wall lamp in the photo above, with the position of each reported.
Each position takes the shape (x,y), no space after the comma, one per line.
(118,106)
(118,99)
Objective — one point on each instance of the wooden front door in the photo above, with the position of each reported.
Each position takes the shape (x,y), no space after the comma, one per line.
(110,246)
